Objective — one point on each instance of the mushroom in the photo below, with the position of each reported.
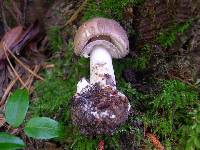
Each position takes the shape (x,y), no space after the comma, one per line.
(98,107)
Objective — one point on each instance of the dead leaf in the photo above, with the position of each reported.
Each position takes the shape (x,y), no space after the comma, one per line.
(10,38)
(31,33)
(155,141)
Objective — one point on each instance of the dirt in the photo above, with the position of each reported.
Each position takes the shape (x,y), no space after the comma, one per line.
(99,110)
(60,12)
(141,80)
(180,60)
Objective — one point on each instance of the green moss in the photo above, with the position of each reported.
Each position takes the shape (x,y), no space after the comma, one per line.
(172,115)
(169,111)
(108,8)
(55,39)
(190,133)
(141,62)
(168,37)
(54,94)
(83,143)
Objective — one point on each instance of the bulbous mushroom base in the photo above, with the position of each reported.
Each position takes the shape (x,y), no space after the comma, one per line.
(99,110)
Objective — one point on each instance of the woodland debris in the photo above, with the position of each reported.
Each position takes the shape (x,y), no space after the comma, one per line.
(7,91)
(12,44)
(76,13)
(101,145)
(2,120)
(13,69)
(21,63)
(154,140)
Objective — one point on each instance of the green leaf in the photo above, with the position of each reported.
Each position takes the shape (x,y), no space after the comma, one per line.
(10,142)
(42,128)
(16,107)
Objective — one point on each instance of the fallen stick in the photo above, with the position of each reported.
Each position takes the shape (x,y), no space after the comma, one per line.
(6,27)
(13,69)
(21,63)
(13,14)
(48,66)
(177,78)
(10,72)
(7,91)
(75,15)
(31,78)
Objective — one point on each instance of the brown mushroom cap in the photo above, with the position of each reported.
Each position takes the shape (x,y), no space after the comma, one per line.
(101,31)
(99,110)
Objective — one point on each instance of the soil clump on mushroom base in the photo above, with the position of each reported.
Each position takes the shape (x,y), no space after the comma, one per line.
(99,110)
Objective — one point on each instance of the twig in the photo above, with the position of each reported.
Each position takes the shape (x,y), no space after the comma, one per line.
(75,15)
(24,12)
(47,66)
(2,120)
(177,78)
(13,14)
(21,63)
(6,27)
(7,91)
(16,74)
(10,72)
(16,9)
(154,140)
(31,77)
(37,68)
(16,131)
(31,90)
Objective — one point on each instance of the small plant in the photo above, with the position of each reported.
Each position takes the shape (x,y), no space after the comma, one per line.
(8,142)
(17,107)
(50,128)
(38,128)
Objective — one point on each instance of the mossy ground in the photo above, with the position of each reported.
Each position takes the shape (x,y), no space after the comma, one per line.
(172,114)
(168,37)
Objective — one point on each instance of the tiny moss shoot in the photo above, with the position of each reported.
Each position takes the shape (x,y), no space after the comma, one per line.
(168,37)
(55,40)
(108,8)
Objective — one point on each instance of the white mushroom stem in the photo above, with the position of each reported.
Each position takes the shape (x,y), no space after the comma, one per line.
(101,68)
(82,84)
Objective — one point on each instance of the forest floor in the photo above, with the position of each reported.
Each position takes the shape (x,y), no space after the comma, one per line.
(160,76)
